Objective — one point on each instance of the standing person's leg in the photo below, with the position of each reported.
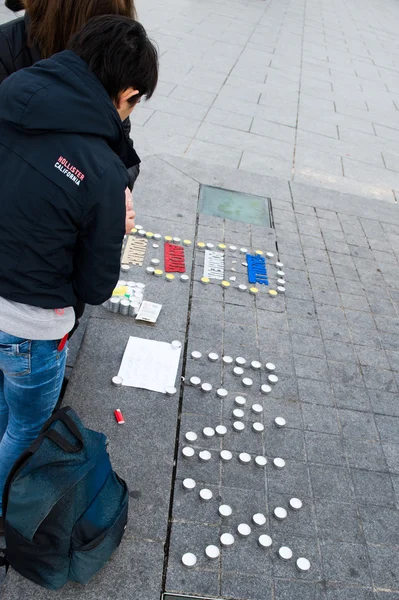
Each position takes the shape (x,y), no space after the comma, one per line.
(33,373)
(3,408)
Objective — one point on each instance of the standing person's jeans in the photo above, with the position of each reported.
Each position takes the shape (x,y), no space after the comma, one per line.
(31,374)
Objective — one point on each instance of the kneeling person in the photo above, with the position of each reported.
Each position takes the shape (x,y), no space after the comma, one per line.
(63,174)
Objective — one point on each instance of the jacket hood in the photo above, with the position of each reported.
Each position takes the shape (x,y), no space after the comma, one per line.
(61,94)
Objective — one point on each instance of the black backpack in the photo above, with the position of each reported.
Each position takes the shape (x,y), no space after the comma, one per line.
(65,509)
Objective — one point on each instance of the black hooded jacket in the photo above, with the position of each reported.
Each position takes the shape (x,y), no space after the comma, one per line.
(63,173)
(15,54)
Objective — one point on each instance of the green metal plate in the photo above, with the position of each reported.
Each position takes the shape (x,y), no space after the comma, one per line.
(227,204)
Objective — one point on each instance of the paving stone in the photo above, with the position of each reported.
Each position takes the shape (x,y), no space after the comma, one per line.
(287,388)
(388,324)
(330,297)
(273,321)
(304,326)
(300,523)
(322,281)
(332,330)
(384,403)
(245,333)
(391,452)
(388,428)
(250,587)
(348,286)
(360,319)
(237,475)
(247,558)
(270,340)
(312,241)
(331,482)
(338,258)
(311,368)
(324,448)
(307,346)
(296,275)
(338,522)
(244,504)
(384,566)
(395,483)
(346,373)
(355,398)
(359,251)
(349,593)
(188,507)
(380,524)
(390,340)
(287,408)
(366,337)
(331,313)
(382,307)
(197,422)
(287,590)
(197,402)
(317,266)
(203,473)
(192,581)
(292,479)
(239,314)
(315,392)
(355,302)
(301,546)
(393,358)
(339,351)
(345,562)
(373,358)
(338,247)
(288,443)
(320,418)
(357,424)
(365,454)
(373,488)
(379,379)
(300,307)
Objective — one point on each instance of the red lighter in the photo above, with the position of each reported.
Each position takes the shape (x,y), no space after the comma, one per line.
(119,417)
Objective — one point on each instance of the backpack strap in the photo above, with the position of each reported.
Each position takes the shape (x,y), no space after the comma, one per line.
(58,439)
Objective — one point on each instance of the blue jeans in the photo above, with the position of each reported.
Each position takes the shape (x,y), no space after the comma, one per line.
(31,375)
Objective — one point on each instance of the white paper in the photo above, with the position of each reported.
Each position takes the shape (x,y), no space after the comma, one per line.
(214,265)
(149,311)
(149,365)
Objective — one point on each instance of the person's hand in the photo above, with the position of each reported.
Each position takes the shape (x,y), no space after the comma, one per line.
(130,213)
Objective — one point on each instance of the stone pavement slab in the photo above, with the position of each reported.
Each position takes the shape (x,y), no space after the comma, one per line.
(335,355)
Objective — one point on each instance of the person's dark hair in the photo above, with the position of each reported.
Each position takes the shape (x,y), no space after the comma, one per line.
(119,52)
(54,22)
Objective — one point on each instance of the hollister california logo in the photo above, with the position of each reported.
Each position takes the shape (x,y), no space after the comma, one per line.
(69,170)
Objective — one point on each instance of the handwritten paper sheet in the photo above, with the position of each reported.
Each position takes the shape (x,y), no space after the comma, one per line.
(149,365)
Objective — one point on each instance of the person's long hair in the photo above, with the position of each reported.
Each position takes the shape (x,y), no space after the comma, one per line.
(54,22)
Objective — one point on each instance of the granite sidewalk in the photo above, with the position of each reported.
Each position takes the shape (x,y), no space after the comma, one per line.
(306,90)
(334,338)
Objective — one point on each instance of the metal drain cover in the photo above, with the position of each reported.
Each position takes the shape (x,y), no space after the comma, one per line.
(236,206)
